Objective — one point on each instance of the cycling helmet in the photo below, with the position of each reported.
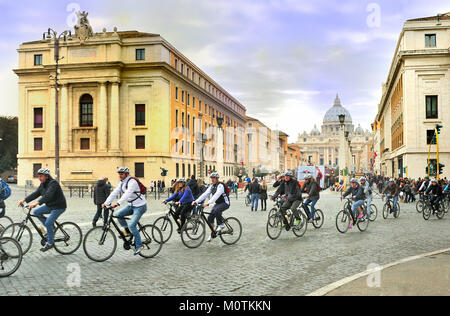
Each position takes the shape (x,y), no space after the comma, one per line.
(44,171)
(434,181)
(353,180)
(123,170)
(391,180)
(289,174)
(182,180)
(308,176)
(282,174)
(214,175)
(362,179)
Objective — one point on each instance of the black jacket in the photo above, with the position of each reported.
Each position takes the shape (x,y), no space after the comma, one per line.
(254,188)
(312,189)
(193,185)
(357,193)
(292,190)
(434,190)
(51,195)
(101,192)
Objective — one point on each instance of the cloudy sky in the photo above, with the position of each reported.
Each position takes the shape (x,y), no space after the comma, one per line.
(285,60)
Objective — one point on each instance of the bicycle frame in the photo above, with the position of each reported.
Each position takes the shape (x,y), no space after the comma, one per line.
(29,218)
(116,226)
(200,211)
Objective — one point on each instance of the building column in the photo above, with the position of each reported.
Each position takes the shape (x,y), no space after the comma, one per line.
(102,119)
(115,120)
(64,119)
(51,118)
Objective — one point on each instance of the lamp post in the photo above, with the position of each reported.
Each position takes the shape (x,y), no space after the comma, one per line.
(342,148)
(220,157)
(64,36)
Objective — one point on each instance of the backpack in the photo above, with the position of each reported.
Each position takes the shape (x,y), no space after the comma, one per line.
(227,189)
(142,188)
(5,190)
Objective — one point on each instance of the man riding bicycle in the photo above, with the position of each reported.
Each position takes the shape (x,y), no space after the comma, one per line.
(220,198)
(311,188)
(292,196)
(392,190)
(136,205)
(55,204)
(436,193)
(358,199)
(367,193)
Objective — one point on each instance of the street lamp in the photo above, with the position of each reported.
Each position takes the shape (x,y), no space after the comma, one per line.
(219,121)
(220,157)
(341,119)
(64,36)
(342,155)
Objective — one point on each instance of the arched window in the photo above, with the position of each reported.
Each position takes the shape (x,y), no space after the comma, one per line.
(86,111)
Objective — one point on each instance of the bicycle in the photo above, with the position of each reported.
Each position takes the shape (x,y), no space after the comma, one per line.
(247,200)
(420,204)
(388,208)
(430,209)
(344,217)
(5,221)
(275,224)
(164,223)
(318,216)
(193,232)
(68,235)
(10,256)
(276,207)
(100,243)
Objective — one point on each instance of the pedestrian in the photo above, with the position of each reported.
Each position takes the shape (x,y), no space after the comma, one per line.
(193,185)
(254,189)
(101,193)
(263,195)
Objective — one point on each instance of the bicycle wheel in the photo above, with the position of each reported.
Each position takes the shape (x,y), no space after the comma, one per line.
(362,224)
(274,226)
(427,212)
(21,233)
(100,245)
(419,206)
(193,233)
(68,238)
(10,256)
(272,212)
(440,214)
(232,232)
(386,210)
(373,213)
(5,221)
(165,227)
(318,219)
(152,245)
(343,222)
(300,229)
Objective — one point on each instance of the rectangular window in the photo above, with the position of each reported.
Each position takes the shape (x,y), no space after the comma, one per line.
(182,69)
(182,119)
(38,118)
(140,142)
(176,118)
(189,170)
(193,125)
(182,96)
(176,146)
(199,106)
(188,121)
(188,99)
(140,54)
(38,60)
(187,72)
(193,76)
(85,143)
(140,114)
(36,167)
(193,102)
(431,140)
(177,169)
(430,40)
(176,93)
(182,146)
(176,64)
(139,170)
(184,171)
(193,149)
(37,144)
(86,115)
(432,107)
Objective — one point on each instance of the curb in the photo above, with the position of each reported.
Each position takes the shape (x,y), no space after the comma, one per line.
(333,286)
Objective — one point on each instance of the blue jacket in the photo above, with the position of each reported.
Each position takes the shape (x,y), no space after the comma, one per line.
(185,197)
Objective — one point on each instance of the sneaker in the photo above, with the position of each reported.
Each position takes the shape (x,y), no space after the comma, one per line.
(351,226)
(47,247)
(139,250)
(209,238)
(360,216)
(298,222)
(94,224)
(220,228)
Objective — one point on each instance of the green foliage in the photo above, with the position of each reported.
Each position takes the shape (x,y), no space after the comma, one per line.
(8,144)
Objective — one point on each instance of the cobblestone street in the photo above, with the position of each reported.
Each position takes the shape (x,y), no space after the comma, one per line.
(255,266)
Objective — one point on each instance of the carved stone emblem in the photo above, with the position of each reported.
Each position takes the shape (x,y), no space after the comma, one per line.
(83,29)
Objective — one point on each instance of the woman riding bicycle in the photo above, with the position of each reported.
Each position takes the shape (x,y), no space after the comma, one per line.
(220,198)
(184,198)
(55,204)
(358,198)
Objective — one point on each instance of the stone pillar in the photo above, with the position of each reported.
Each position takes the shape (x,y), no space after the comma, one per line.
(115,119)
(102,120)
(64,135)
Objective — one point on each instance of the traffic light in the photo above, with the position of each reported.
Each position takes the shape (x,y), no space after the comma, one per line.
(441,168)
(164,172)
(438,128)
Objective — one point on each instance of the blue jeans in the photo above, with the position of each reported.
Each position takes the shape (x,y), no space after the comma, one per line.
(254,199)
(313,203)
(369,203)
(395,201)
(137,213)
(49,221)
(355,206)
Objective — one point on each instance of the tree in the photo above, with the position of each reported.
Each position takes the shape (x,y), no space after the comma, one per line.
(8,144)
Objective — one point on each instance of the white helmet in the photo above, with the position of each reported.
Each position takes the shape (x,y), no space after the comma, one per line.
(289,174)
(44,171)
(391,180)
(182,180)
(353,180)
(362,179)
(123,170)
(214,175)
(308,176)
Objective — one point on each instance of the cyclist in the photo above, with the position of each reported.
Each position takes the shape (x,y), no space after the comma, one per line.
(367,193)
(184,198)
(136,205)
(280,180)
(426,183)
(311,188)
(292,198)
(220,198)
(435,191)
(392,190)
(358,199)
(55,204)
